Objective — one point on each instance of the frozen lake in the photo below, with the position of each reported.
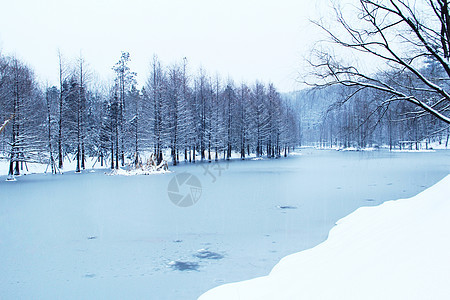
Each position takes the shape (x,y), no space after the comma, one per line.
(95,236)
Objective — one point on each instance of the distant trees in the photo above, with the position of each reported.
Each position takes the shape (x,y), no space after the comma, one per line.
(186,116)
(327,119)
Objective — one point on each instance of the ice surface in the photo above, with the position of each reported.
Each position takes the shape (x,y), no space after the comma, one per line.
(48,223)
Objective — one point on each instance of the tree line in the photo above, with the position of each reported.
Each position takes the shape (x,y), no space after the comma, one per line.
(176,115)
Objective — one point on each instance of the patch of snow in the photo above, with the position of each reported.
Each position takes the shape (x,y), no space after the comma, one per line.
(348,149)
(356,149)
(437,145)
(92,164)
(44,167)
(295,153)
(398,250)
(134,172)
(413,151)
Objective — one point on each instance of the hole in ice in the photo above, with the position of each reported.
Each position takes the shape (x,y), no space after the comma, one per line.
(89,275)
(286,207)
(184,265)
(206,254)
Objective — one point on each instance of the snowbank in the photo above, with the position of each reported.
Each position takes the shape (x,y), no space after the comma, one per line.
(39,168)
(398,250)
(92,164)
(134,172)
(414,151)
(356,149)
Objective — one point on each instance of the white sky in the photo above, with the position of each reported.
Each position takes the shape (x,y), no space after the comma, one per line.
(245,40)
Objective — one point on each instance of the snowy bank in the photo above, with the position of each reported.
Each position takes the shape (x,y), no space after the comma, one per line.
(134,172)
(414,151)
(40,168)
(398,250)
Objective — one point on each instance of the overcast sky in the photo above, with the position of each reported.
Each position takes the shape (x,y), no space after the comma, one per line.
(245,40)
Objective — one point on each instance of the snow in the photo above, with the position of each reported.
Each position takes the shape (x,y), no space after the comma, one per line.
(134,172)
(441,145)
(92,164)
(295,153)
(39,168)
(398,250)
(4,124)
(414,151)
(356,149)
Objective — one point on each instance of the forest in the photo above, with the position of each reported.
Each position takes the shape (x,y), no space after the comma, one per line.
(176,116)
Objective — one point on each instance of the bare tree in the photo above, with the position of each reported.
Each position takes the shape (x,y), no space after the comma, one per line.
(124,79)
(60,118)
(80,115)
(48,95)
(408,36)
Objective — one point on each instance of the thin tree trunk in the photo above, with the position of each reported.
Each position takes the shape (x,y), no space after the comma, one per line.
(61,95)
(112,155)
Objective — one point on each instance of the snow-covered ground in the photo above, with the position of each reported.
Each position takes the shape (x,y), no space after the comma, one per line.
(39,168)
(398,250)
(90,236)
(93,163)
(423,146)
(413,151)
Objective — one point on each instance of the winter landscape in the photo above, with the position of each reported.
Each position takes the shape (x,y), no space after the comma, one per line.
(199,172)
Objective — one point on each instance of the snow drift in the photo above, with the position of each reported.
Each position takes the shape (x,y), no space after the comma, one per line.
(398,250)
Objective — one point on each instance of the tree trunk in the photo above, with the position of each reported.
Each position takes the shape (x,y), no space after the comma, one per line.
(112,155)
